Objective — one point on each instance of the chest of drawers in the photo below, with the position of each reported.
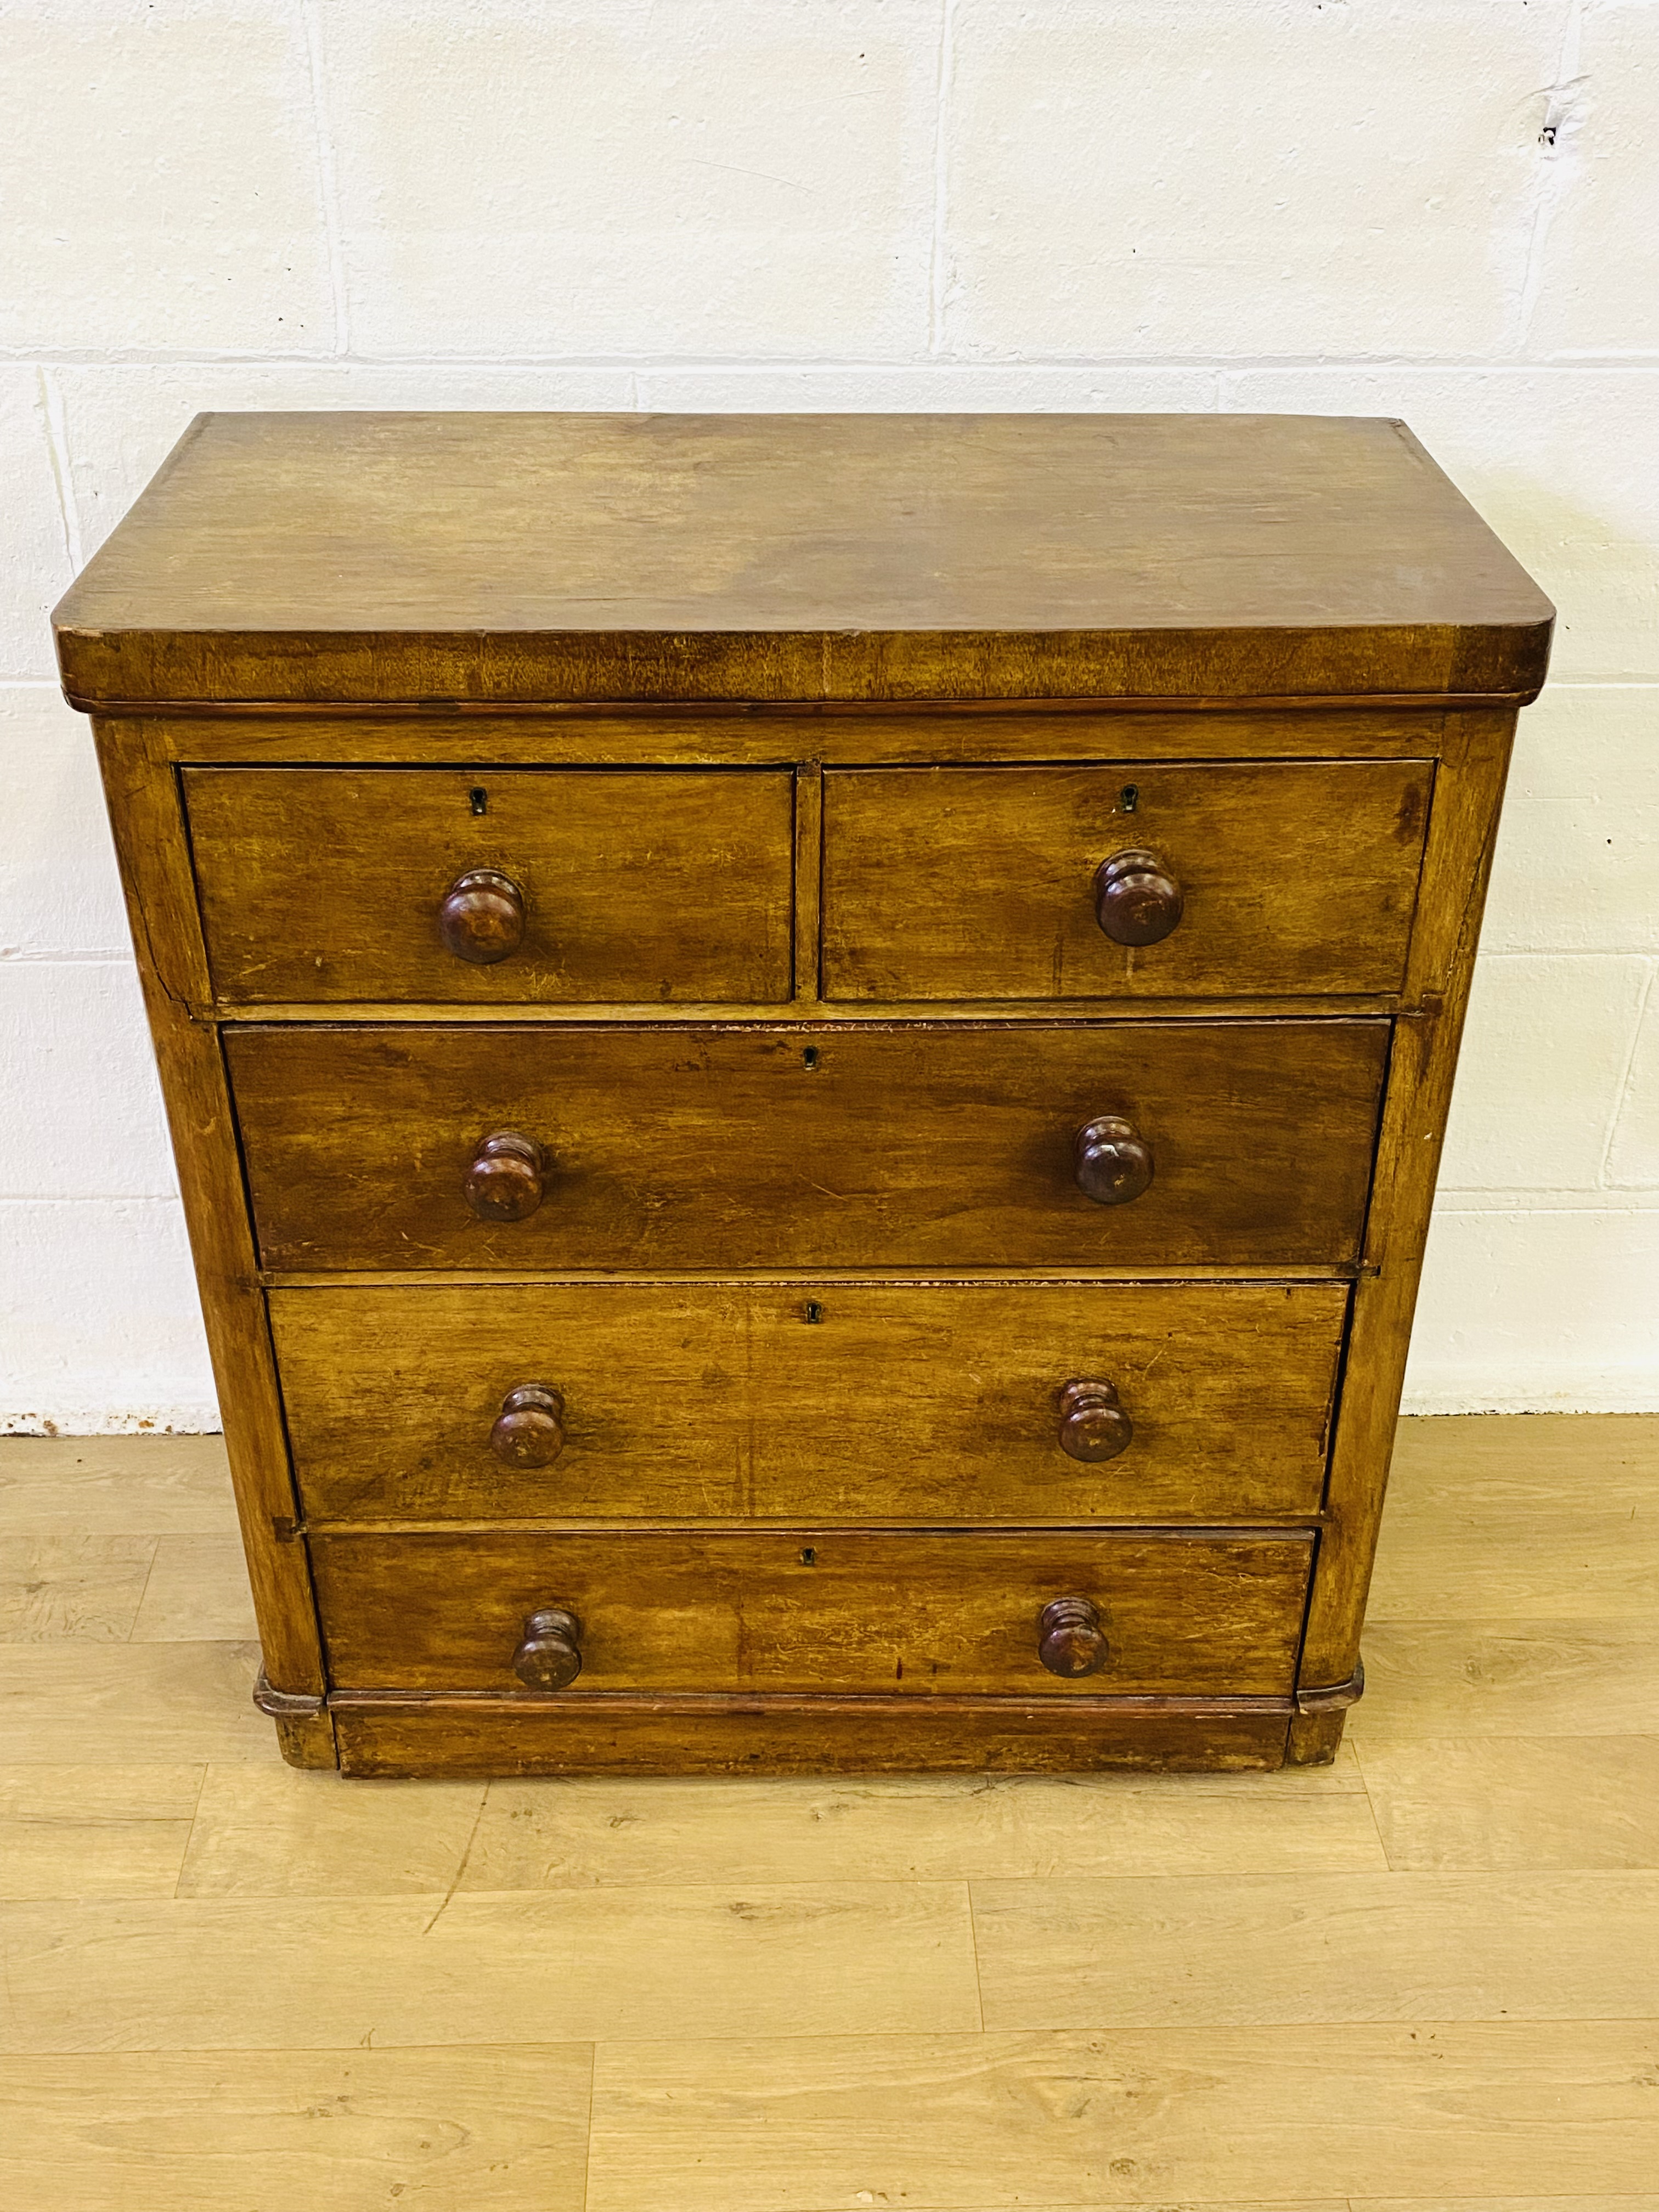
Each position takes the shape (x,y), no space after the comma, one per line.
(807,1056)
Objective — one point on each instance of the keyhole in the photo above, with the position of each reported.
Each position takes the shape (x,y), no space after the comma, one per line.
(809,1059)
(814,1310)
(1129,798)
(809,1557)
(478,799)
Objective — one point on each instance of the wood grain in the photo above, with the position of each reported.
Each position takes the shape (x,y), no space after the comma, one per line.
(1295,1949)
(265,1831)
(725,1148)
(729,1402)
(139,1485)
(170,1703)
(1640,2202)
(953,882)
(754,734)
(814,1610)
(1519,1565)
(937,1827)
(1545,1468)
(809,878)
(1511,1678)
(1009,1013)
(1457,863)
(95,1829)
(1562,1526)
(491,2129)
(229,1974)
(325,883)
(1120,2116)
(156,878)
(198,1588)
(1517,1801)
(60,1586)
(386,1736)
(474,557)
(1200,1893)
(1263,646)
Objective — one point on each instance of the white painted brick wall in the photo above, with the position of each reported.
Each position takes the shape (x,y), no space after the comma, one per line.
(1445,209)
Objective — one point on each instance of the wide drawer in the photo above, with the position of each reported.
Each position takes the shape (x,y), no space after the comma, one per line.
(845,1401)
(1266,878)
(813,1610)
(632,886)
(722,1150)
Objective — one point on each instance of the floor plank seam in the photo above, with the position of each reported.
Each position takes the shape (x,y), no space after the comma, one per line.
(588,2129)
(190,1835)
(973,1946)
(132,1625)
(1510,1769)
(1376,1821)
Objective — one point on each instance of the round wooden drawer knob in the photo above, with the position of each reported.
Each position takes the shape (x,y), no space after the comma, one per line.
(550,1657)
(505,1181)
(529,1431)
(1137,899)
(1093,1425)
(1071,1640)
(1113,1160)
(481,918)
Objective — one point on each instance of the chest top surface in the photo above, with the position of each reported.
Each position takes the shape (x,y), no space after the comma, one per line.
(497,558)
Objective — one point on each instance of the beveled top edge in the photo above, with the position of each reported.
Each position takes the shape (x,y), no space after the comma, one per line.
(483,559)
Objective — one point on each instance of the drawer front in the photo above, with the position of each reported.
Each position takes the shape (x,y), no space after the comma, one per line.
(729,1150)
(1269,879)
(835,1401)
(321,885)
(807,1610)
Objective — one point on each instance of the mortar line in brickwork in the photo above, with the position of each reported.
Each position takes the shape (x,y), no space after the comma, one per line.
(1600,364)
(69,521)
(328,191)
(938,270)
(1626,1075)
(1621,1203)
(22,957)
(1554,176)
(1501,1198)
(43,1197)
(1566,952)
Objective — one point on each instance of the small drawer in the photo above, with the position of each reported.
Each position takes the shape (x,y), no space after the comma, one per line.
(494,886)
(563,1148)
(1139,879)
(1163,1613)
(837,1401)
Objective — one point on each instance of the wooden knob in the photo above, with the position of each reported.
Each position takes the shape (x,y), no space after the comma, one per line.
(1137,899)
(481,918)
(1071,1640)
(504,1182)
(550,1657)
(529,1431)
(1114,1162)
(1093,1425)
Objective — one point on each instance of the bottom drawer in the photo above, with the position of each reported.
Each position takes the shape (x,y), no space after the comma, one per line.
(406,1733)
(1166,1614)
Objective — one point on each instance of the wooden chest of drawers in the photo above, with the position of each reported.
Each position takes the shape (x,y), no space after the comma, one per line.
(807,1056)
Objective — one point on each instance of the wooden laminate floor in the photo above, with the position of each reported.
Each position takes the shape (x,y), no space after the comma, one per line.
(1429,1975)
